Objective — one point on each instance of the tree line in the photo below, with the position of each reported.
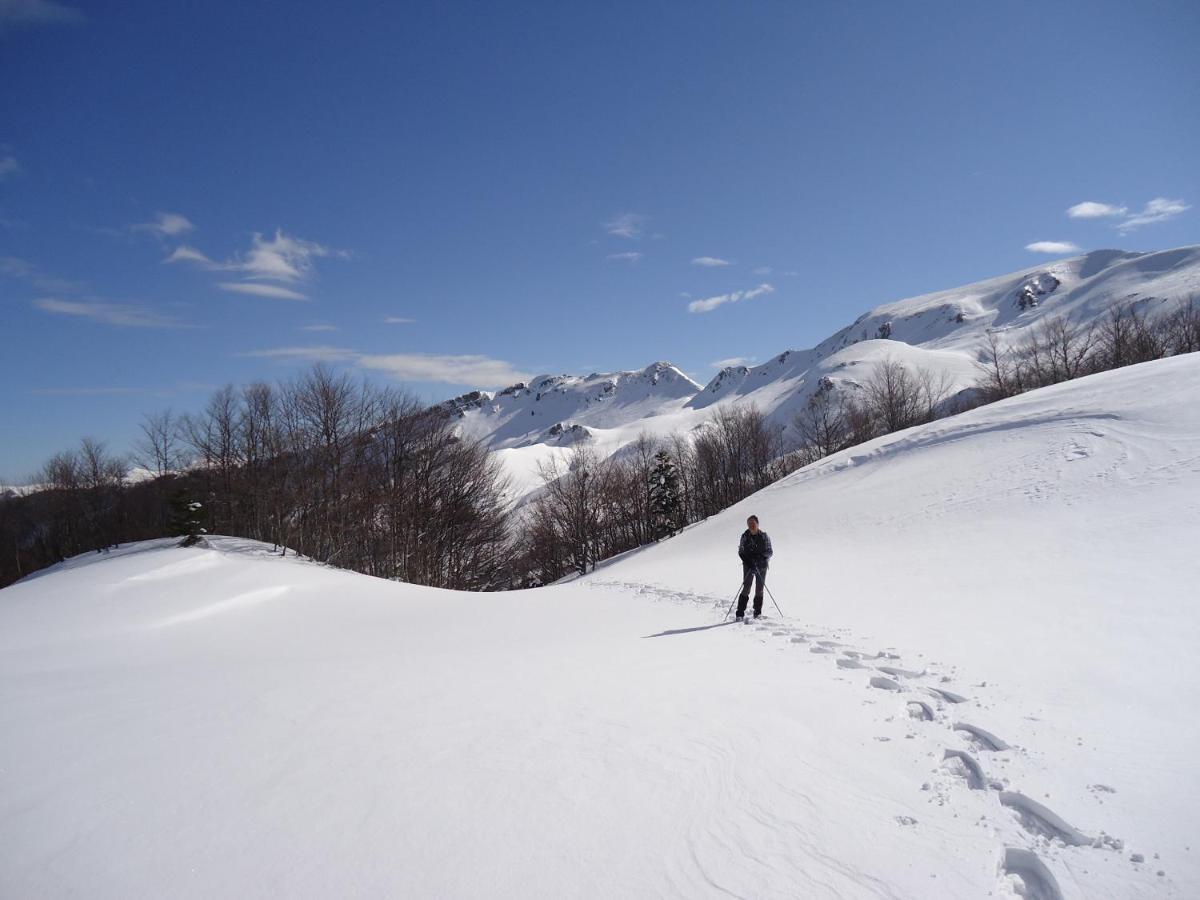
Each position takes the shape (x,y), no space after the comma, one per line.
(344,472)
(1055,350)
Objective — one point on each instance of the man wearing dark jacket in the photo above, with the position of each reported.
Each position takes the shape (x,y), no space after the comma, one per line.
(755,550)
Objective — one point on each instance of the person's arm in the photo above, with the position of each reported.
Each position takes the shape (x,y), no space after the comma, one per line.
(767,551)
(742,547)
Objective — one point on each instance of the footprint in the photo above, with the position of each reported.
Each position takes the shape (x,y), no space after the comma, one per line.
(819,649)
(1037,819)
(970,769)
(850,664)
(1036,881)
(948,696)
(799,639)
(885,684)
(919,709)
(900,673)
(985,740)
(829,643)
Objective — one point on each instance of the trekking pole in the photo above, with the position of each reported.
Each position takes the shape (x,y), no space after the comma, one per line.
(731,602)
(776,602)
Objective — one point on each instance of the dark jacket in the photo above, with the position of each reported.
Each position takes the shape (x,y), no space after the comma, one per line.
(755,549)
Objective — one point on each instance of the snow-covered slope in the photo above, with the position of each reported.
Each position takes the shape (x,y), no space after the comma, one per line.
(1014,587)
(944,333)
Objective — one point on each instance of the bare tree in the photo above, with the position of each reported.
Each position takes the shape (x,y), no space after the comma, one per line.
(822,425)
(936,388)
(570,502)
(1056,351)
(998,380)
(157,450)
(894,396)
(1181,329)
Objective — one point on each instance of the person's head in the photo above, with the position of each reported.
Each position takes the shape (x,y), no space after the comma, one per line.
(752,524)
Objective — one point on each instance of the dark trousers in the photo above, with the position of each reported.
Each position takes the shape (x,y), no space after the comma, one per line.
(750,574)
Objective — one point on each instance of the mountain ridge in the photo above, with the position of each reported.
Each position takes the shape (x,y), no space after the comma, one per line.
(944,332)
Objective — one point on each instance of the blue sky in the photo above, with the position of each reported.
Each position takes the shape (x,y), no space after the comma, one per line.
(200,193)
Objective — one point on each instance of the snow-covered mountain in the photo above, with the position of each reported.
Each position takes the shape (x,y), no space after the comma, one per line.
(944,332)
(559,409)
(986,685)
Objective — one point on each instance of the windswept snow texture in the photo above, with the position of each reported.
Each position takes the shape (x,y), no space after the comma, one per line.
(944,333)
(222,722)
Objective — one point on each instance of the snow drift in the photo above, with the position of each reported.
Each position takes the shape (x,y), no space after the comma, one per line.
(986,683)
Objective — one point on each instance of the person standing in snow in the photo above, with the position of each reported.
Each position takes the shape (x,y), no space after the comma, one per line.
(755,550)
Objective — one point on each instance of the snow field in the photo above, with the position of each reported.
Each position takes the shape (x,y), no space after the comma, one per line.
(985,683)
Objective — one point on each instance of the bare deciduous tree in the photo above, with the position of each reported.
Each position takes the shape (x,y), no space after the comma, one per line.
(157,449)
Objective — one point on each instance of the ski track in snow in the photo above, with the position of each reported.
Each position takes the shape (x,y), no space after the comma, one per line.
(1022,870)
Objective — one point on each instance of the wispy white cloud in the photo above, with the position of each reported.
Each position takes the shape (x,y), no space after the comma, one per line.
(763,270)
(319,327)
(397,320)
(471,370)
(8,164)
(305,354)
(278,258)
(1052,247)
(710,261)
(122,314)
(15,267)
(282,258)
(14,13)
(1160,209)
(184,253)
(627,256)
(627,225)
(708,304)
(255,289)
(478,371)
(732,361)
(1091,209)
(165,225)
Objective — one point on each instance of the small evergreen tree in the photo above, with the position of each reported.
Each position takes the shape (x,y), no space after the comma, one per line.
(185,519)
(665,505)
